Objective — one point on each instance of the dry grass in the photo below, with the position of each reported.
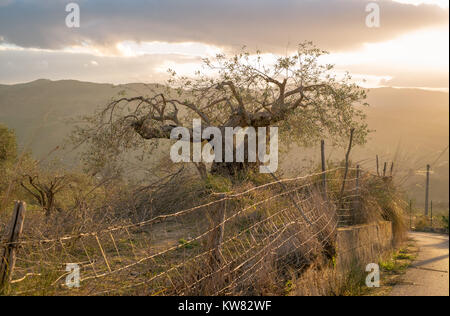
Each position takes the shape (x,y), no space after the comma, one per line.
(267,248)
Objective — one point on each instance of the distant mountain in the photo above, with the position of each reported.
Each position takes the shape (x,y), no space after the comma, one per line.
(418,119)
(412,128)
(40,111)
(412,125)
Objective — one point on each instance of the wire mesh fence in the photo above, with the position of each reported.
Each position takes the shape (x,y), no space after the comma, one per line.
(238,243)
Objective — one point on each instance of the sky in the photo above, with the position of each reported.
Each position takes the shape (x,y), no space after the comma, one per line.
(137,41)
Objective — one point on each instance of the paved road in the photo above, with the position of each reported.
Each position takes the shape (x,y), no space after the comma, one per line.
(428,275)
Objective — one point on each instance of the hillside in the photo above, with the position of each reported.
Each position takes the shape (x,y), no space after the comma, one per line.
(41,111)
(412,128)
(412,125)
(413,118)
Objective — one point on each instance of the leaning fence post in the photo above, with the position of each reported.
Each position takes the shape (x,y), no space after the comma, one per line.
(219,224)
(8,258)
(358,173)
(347,156)
(324,175)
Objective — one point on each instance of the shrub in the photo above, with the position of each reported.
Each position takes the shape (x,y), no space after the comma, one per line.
(445,222)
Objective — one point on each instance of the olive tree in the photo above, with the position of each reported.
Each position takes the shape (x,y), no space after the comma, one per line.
(306,99)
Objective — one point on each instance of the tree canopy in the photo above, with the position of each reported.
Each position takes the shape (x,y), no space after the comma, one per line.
(306,99)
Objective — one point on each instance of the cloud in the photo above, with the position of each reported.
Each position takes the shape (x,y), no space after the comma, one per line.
(270,25)
(25,65)
(419,79)
(28,65)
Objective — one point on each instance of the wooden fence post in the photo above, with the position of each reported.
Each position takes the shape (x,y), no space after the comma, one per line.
(410,214)
(215,280)
(219,222)
(392,169)
(341,202)
(358,173)
(384,169)
(378,167)
(347,156)
(8,258)
(431,214)
(427,190)
(324,175)
(357,193)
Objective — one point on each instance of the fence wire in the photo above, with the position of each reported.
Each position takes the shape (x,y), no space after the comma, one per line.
(245,243)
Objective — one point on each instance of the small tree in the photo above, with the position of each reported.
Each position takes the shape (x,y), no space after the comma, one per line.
(46,187)
(8,156)
(301,96)
(8,146)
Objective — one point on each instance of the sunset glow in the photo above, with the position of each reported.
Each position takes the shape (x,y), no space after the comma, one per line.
(409,56)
